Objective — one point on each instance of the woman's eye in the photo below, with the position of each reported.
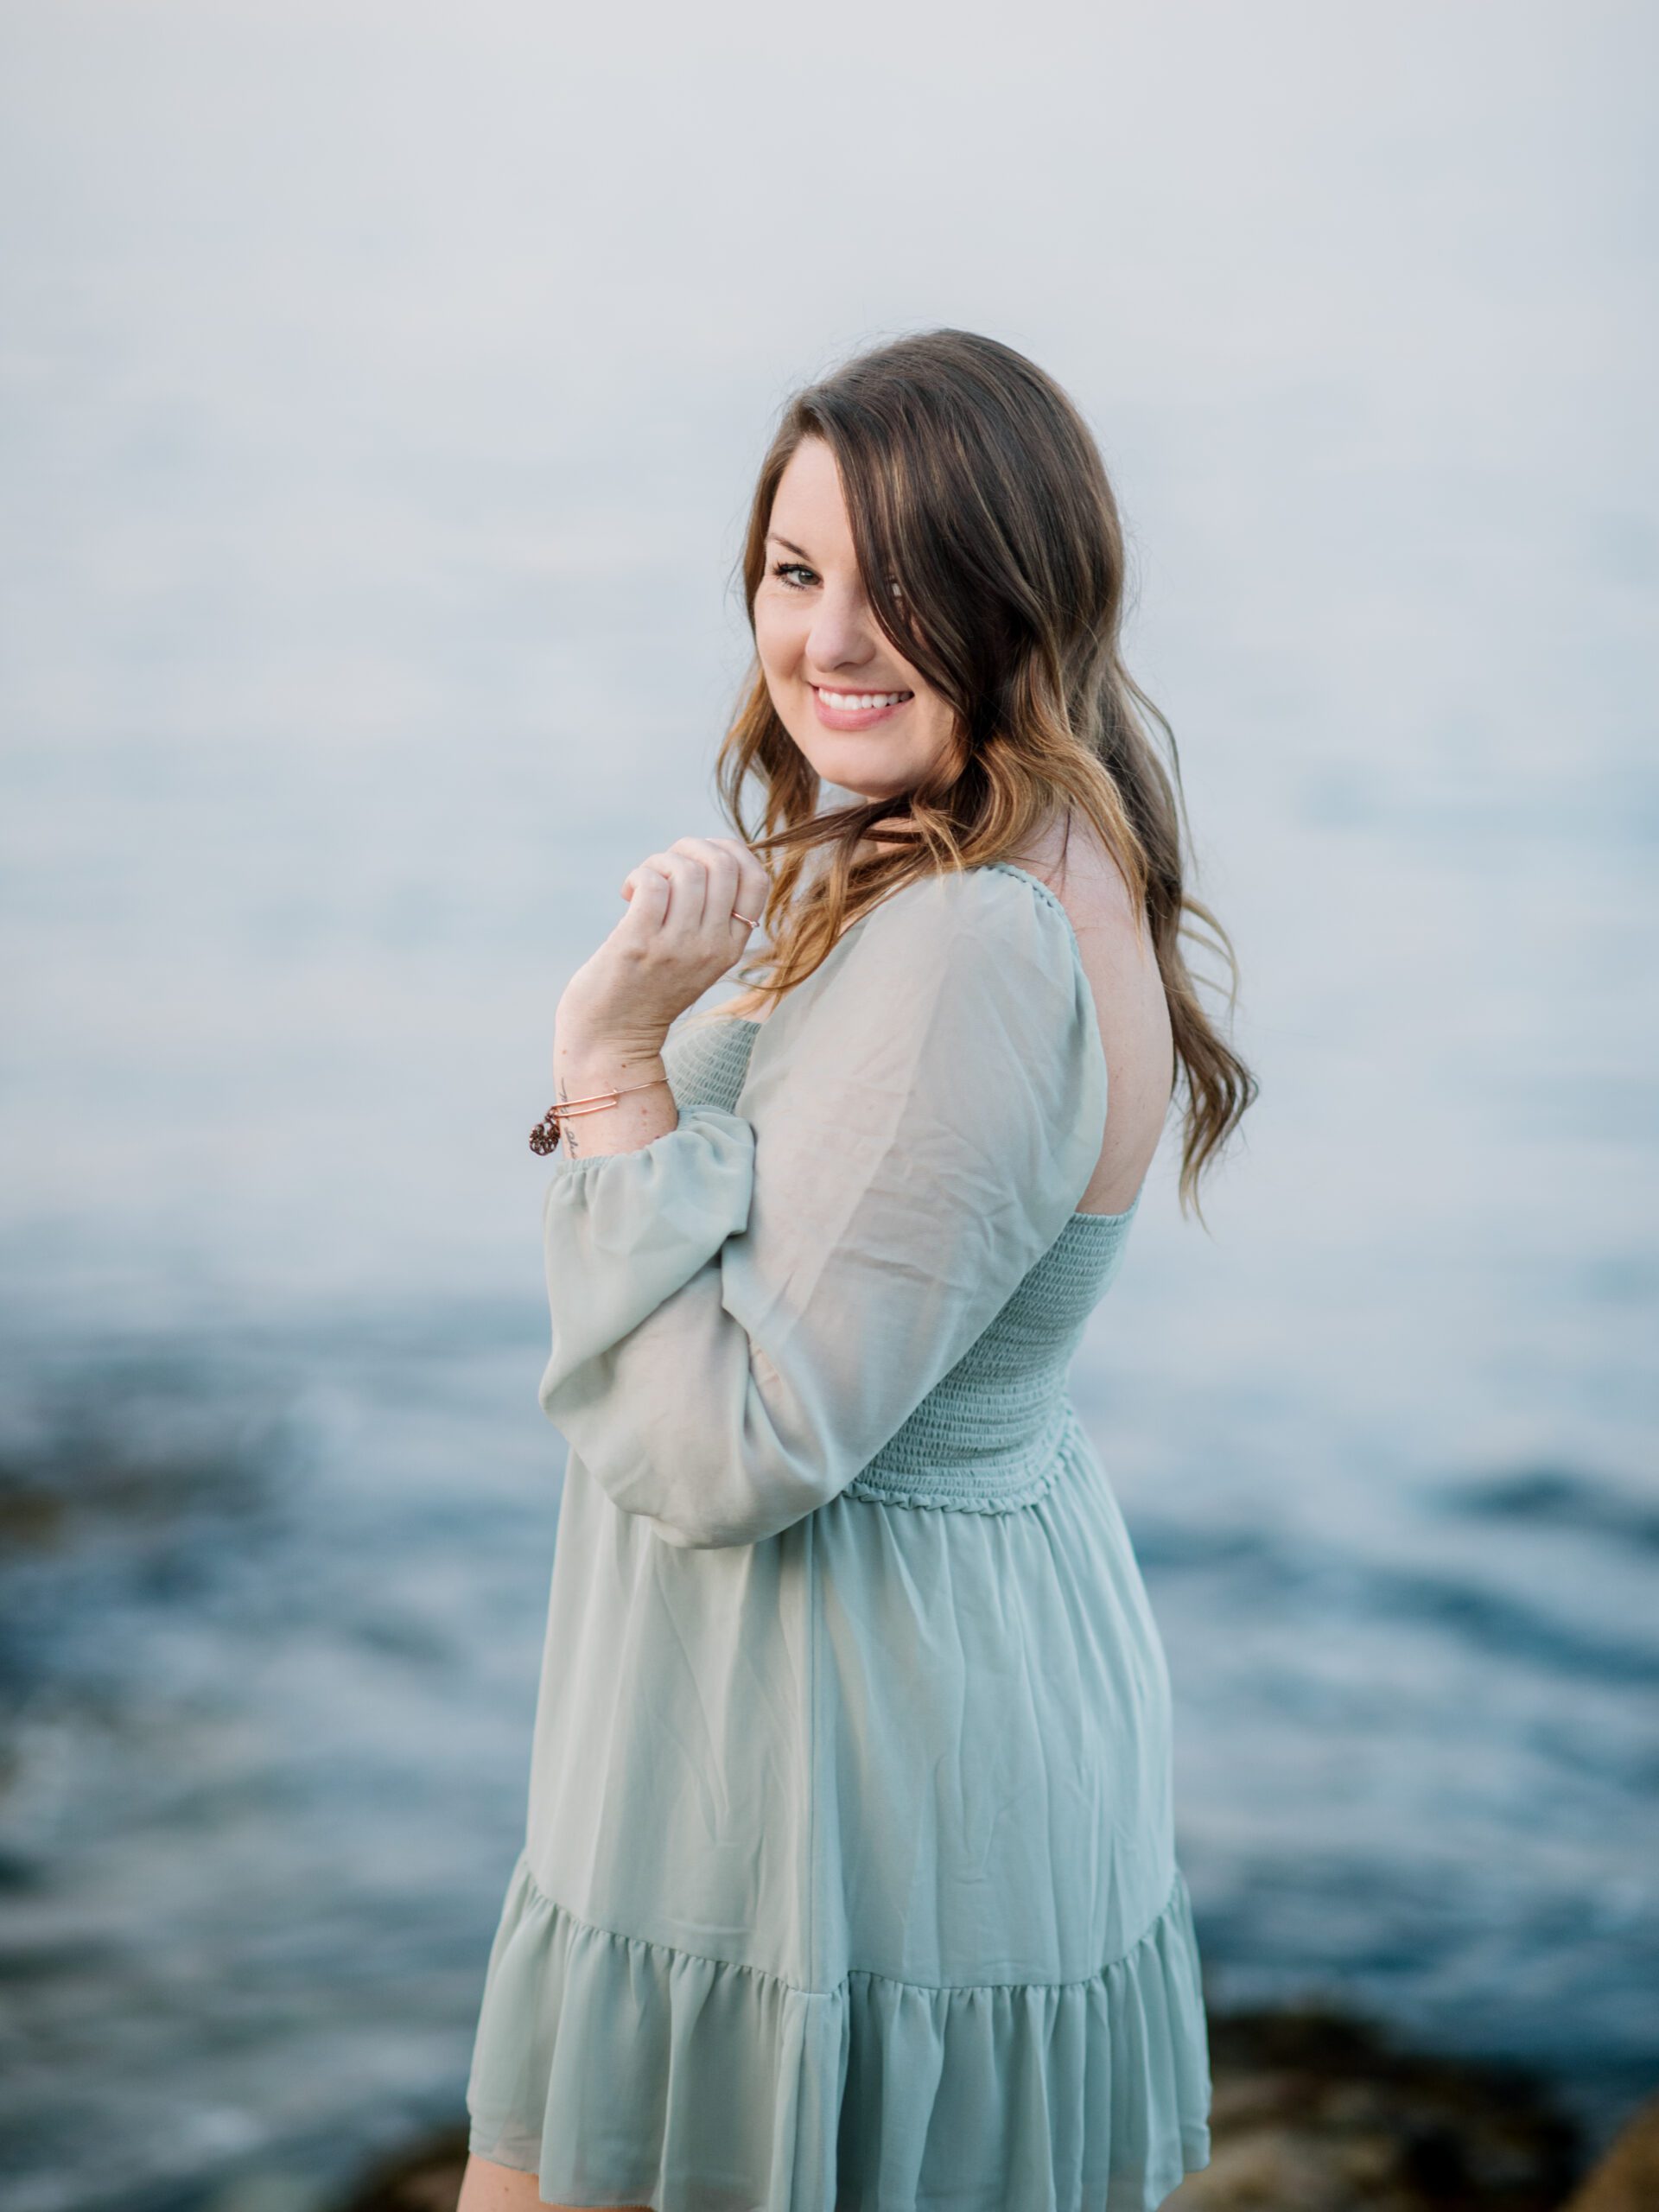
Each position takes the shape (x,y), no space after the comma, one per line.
(788,569)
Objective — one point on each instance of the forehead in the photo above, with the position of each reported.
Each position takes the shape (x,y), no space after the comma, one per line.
(808,506)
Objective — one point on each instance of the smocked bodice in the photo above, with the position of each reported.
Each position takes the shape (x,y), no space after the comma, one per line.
(989,1434)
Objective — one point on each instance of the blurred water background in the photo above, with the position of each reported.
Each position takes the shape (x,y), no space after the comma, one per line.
(382,391)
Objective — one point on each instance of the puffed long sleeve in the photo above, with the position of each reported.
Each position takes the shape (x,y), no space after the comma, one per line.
(746,1309)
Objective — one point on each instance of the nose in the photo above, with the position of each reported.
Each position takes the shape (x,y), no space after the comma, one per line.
(841,637)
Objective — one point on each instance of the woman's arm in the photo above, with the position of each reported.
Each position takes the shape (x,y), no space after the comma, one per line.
(746,1308)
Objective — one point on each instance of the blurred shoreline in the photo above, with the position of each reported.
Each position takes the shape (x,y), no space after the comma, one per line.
(271,1615)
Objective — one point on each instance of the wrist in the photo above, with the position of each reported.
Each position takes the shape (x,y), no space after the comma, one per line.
(576,1036)
(582,1064)
(587,1068)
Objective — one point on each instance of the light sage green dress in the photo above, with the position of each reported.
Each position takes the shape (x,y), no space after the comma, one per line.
(850,1881)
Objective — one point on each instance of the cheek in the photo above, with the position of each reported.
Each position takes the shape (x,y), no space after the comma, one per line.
(941,740)
(939,716)
(777,634)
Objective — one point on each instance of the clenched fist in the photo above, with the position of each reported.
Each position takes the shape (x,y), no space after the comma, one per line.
(689,913)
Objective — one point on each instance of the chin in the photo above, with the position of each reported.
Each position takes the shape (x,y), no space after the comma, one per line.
(864,786)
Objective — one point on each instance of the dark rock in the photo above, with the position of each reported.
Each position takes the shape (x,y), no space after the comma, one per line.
(1627,2178)
(424,2177)
(1317,2112)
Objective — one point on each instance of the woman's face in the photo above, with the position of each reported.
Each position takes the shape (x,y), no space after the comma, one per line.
(822,654)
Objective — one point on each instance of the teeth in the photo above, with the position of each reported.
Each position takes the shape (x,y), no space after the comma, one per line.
(853,703)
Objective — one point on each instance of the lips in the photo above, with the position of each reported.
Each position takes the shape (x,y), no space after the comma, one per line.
(855,717)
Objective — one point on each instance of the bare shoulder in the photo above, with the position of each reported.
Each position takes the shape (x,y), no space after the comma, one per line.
(933,913)
(1133,1008)
(1088,882)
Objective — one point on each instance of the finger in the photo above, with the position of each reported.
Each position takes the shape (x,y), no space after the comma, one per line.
(749,882)
(754,886)
(723,887)
(738,888)
(647,891)
(688,899)
(658,865)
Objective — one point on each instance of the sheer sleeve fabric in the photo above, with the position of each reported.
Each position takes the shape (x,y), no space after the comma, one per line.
(747,1308)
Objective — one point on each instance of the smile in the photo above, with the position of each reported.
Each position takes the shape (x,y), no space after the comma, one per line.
(856,709)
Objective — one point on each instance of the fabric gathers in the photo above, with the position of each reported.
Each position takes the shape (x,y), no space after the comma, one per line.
(849,1880)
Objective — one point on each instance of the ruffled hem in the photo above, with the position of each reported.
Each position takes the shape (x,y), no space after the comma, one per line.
(624,2072)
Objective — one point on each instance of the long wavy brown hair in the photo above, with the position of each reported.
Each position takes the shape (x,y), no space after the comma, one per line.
(971,479)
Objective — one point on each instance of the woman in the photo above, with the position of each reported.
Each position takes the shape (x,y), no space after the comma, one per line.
(850,1881)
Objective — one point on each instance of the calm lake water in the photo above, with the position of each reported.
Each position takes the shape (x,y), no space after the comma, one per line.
(382,391)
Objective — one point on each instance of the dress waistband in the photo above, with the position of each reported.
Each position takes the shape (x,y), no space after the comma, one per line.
(992,1482)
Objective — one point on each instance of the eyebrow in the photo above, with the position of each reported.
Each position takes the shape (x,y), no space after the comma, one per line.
(801,549)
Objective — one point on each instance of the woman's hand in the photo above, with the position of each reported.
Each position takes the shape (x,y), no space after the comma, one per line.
(677,937)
